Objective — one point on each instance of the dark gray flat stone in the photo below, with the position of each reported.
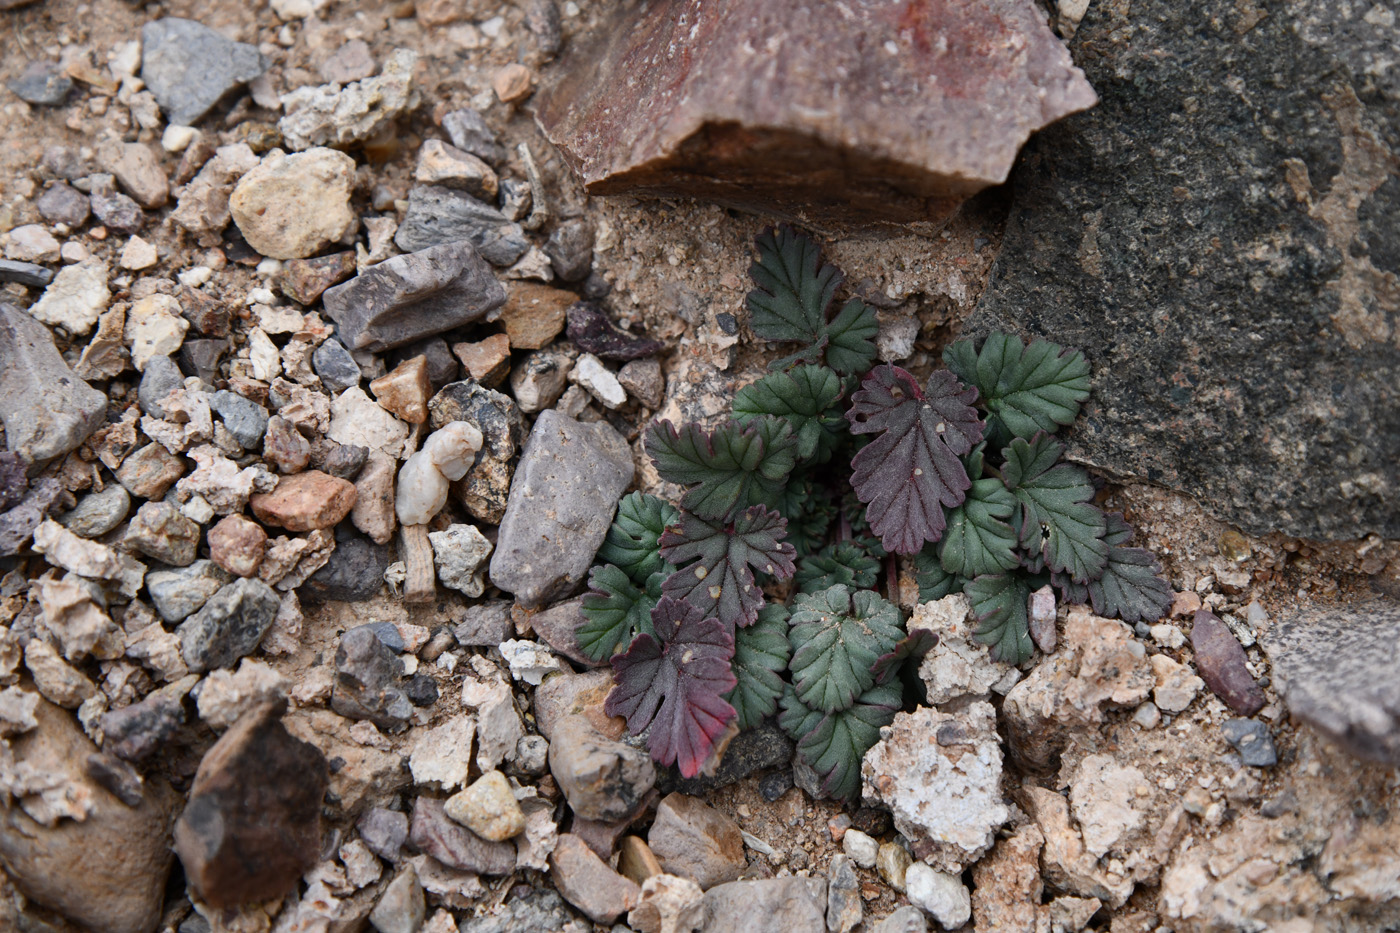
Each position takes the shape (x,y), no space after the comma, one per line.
(43,83)
(26,273)
(1218,237)
(190,67)
(440,215)
(47,410)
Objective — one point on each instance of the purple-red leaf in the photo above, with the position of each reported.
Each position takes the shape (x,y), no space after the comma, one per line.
(676,683)
(720,581)
(911,472)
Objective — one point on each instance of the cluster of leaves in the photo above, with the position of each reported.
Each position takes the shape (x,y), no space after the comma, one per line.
(678,601)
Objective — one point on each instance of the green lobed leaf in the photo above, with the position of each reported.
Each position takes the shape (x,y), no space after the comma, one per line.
(730,469)
(1056,518)
(845,563)
(834,744)
(912,648)
(615,611)
(795,291)
(631,543)
(836,638)
(1024,389)
(761,654)
(978,539)
(999,602)
(934,582)
(1130,588)
(804,398)
(716,561)
(809,509)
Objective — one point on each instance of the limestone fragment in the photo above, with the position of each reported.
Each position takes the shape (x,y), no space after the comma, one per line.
(293,206)
(331,115)
(75,298)
(459,553)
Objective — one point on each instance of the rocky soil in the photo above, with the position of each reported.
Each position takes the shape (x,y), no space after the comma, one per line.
(309,338)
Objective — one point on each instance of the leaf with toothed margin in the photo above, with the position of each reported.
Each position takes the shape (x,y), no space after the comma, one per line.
(615,610)
(978,539)
(933,581)
(911,472)
(1130,588)
(1056,517)
(836,639)
(761,654)
(1003,623)
(717,560)
(674,682)
(805,398)
(1024,389)
(791,303)
(631,543)
(730,469)
(845,562)
(834,744)
(912,648)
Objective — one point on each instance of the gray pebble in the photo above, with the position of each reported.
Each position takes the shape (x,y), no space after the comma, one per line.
(190,67)
(161,378)
(28,274)
(98,513)
(245,419)
(43,83)
(355,571)
(346,461)
(179,594)
(438,215)
(515,198)
(61,203)
(229,626)
(114,210)
(570,250)
(468,131)
(532,754)
(202,358)
(1252,740)
(336,367)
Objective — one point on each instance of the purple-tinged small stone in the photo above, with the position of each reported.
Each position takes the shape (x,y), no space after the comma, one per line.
(591,331)
(1221,661)
(434,833)
(13,481)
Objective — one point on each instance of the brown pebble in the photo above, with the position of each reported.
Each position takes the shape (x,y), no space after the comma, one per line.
(488,361)
(535,314)
(305,502)
(513,82)
(405,391)
(1221,661)
(284,446)
(303,280)
(237,545)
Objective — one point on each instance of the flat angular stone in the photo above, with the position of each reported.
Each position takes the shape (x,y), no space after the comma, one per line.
(25,273)
(253,822)
(588,883)
(305,501)
(150,471)
(794,905)
(413,296)
(1334,668)
(874,105)
(1201,350)
(158,530)
(47,410)
(304,280)
(61,203)
(593,332)
(178,594)
(438,215)
(1221,661)
(331,115)
(17,525)
(561,504)
(696,841)
(468,131)
(534,314)
(229,625)
(369,680)
(485,625)
(190,67)
(41,82)
(434,833)
(603,779)
(292,206)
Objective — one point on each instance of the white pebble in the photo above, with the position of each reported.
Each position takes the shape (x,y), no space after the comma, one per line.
(195,276)
(862,849)
(942,896)
(446,456)
(178,138)
(590,373)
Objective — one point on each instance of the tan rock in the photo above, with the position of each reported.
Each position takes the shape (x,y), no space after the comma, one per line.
(487,361)
(513,82)
(635,860)
(534,314)
(1007,887)
(107,871)
(137,169)
(668,904)
(56,680)
(441,164)
(588,883)
(305,502)
(1176,685)
(405,391)
(488,808)
(373,512)
(150,471)
(292,206)
(237,545)
(696,841)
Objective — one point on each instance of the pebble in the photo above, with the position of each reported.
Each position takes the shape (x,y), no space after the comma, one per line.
(405,390)
(513,82)
(31,243)
(437,216)
(202,358)
(373,512)
(305,502)
(1147,715)
(304,280)
(56,681)
(384,832)
(104,869)
(529,661)
(570,250)
(434,833)
(468,131)
(293,206)
(590,373)
(190,67)
(441,164)
(368,681)
(532,754)
(178,594)
(537,383)
(158,530)
(245,419)
(423,482)
(336,367)
(459,553)
(644,382)
(588,883)
(75,299)
(535,314)
(561,503)
(46,409)
(696,841)
(487,361)
(154,327)
(488,808)
(161,377)
(409,297)
(354,572)
(942,896)
(346,462)
(42,83)
(115,211)
(892,864)
(223,696)
(516,199)
(1252,740)
(203,206)
(558,625)
(252,826)
(862,849)
(137,169)
(1176,685)
(150,471)
(485,624)
(17,525)
(442,755)
(332,115)
(237,545)
(1221,661)
(844,910)
(177,138)
(286,449)
(61,203)
(228,626)
(906,919)
(25,273)
(401,907)
(351,62)
(485,489)
(603,779)
(793,905)
(97,513)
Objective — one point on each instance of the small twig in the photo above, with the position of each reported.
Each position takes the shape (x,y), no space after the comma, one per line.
(892,578)
(420,584)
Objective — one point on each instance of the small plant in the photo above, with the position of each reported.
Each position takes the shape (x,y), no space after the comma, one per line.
(800,498)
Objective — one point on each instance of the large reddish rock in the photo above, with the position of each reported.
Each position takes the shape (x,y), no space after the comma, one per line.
(878,111)
(305,501)
(252,826)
